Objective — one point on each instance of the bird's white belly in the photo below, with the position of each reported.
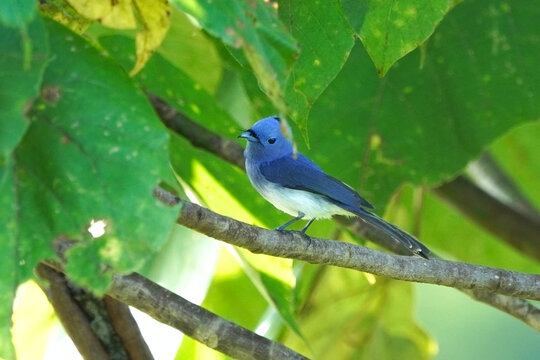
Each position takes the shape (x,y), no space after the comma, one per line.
(294,202)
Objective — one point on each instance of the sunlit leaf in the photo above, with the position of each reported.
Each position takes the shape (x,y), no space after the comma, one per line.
(116,14)
(190,49)
(162,78)
(33,320)
(391,29)
(154,15)
(356,315)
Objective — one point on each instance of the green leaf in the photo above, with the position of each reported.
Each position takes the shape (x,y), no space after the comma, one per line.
(254,27)
(63,13)
(19,83)
(17,13)
(162,78)
(24,57)
(313,24)
(188,48)
(356,315)
(355,12)
(423,124)
(94,150)
(9,265)
(391,29)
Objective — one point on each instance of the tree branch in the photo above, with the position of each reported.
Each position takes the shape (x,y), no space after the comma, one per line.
(488,175)
(195,321)
(72,317)
(170,309)
(294,245)
(198,135)
(516,307)
(127,329)
(521,232)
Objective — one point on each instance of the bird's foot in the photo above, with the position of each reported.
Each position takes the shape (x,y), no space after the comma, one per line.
(282,229)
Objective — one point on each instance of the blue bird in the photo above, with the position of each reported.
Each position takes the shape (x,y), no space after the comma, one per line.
(296,185)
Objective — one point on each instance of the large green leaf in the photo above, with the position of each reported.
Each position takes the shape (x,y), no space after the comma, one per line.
(254,27)
(9,265)
(94,150)
(19,84)
(24,56)
(391,29)
(326,40)
(423,124)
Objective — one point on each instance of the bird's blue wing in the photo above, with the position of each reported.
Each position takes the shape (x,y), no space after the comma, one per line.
(303,174)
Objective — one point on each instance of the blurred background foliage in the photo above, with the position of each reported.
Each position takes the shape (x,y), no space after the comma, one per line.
(394,98)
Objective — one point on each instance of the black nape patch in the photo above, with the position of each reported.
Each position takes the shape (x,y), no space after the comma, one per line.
(252,133)
(277,118)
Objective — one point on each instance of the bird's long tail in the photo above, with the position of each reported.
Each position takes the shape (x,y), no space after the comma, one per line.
(395,233)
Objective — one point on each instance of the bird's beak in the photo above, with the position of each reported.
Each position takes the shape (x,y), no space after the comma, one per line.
(248,136)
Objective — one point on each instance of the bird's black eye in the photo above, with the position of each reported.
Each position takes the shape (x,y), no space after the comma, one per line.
(272,140)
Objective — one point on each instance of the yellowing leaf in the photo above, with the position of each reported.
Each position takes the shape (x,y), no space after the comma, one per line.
(155,15)
(64,14)
(33,319)
(116,14)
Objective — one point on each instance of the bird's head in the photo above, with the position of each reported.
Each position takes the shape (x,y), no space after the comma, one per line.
(267,140)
